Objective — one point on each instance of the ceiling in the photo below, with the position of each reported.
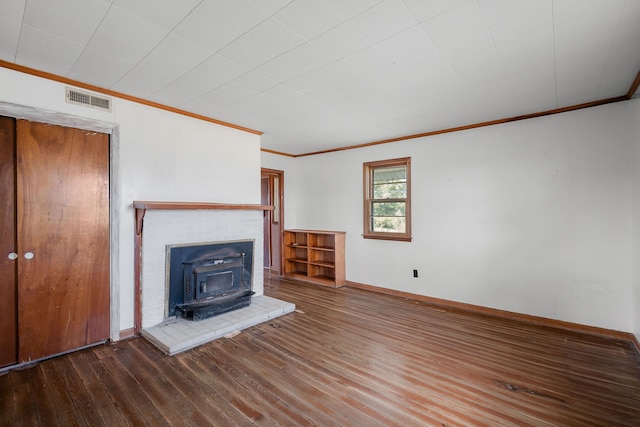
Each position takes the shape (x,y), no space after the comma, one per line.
(322,74)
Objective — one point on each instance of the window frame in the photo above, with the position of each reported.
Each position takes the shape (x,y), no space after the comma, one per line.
(367,169)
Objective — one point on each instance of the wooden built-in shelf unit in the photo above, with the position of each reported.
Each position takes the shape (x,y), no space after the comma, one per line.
(315,256)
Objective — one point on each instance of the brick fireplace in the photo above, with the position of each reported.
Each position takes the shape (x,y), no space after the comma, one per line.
(160,225)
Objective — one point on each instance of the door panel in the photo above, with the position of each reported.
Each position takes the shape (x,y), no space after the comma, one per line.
(8,319)
(272,194)
(266,226)
(63,220)
(276,225)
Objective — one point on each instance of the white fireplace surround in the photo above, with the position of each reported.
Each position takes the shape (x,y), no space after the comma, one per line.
(171,227)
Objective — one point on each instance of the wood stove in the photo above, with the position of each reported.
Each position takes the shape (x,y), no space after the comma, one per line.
(208,279)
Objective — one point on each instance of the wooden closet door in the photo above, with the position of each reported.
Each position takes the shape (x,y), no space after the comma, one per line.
(8,320)
(63,220)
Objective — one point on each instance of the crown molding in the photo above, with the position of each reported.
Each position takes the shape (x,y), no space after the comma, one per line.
(76,83)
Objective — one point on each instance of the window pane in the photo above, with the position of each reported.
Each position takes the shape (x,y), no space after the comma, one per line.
(389,182)
(389,174)
(388,224)
(388,217)
(390,191)
(388,209)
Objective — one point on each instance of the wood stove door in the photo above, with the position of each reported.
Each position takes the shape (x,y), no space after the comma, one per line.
(63,239)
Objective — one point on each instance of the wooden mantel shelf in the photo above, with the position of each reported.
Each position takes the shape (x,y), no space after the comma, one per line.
(198,205)
(141,208)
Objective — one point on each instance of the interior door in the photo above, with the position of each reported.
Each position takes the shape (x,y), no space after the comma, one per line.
(266,222)
(63,239)
(273,194)
(8,319)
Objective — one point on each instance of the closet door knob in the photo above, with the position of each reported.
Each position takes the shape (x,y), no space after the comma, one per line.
(29,255)
(12,256)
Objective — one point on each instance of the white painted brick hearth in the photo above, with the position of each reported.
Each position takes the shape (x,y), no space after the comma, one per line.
(177,335)
(170,227)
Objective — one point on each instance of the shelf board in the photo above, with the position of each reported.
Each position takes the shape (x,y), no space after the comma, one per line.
(323,264)
(324,280)
(322,248)
(298,260)
(300,275)
(300,230)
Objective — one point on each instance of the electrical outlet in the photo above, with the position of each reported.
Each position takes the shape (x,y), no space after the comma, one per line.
(415,273)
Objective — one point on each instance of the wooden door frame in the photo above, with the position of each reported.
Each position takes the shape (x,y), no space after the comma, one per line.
(280,208)
(64,119)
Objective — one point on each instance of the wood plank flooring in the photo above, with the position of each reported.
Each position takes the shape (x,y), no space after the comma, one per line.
(346,357)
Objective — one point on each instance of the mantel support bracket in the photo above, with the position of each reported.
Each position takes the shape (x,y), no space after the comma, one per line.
(139,220)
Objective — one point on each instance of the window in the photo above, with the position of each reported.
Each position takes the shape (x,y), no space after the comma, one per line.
(387,199)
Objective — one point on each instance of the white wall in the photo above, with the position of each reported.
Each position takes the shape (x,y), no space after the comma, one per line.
(293,186)
(159,156)
(635,119)
(531,217)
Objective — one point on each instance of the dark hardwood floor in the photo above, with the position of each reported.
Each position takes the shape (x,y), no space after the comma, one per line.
(347,357)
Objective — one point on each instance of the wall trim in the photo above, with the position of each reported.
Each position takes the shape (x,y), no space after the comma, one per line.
(76,83)
(127,333)
(279,153)
(471,126)
(504,314)
(634,86)
(636,342)
(54,77)
(632,90)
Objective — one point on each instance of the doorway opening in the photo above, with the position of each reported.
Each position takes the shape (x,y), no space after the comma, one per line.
(272,190)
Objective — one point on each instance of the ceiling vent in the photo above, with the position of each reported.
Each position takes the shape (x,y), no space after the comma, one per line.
(74,96)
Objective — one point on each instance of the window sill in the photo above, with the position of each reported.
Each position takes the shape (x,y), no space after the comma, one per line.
(387,237)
